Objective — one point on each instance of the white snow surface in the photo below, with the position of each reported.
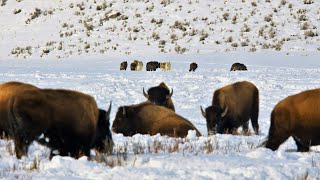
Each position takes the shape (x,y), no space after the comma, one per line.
(158,157)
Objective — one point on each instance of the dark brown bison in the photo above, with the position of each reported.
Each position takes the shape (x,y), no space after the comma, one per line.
(160,95)
(7,90)
(147,118)
(64,120)
(296,116)
(238,67)
(123,65)
(152,66)
(133,66)
(136,65)
(193,66)
(233,106)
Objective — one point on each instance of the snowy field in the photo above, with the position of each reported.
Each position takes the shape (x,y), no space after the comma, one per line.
(156,157)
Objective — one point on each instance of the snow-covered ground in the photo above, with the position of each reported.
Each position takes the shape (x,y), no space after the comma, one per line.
(145,157)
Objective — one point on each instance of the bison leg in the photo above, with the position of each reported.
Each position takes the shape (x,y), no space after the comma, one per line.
(21,147)
(255,112)
(301,147)
(245,128)
(255,125)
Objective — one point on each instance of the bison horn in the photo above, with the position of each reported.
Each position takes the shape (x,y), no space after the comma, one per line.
(169,96)
(145,94)
(203,112)
(109,110)
(224,112)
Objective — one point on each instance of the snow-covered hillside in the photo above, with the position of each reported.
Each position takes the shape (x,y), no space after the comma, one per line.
(79,44)
(145,157)
(73,28)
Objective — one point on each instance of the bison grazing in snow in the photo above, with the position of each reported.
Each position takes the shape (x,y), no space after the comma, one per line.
(296,116)
(152,66)
(160,95)
(147,118)
(193,66)
(233,106)
(66,121)
(7,90)
(238,67)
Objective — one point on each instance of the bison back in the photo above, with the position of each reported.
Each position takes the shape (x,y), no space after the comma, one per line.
(158,119)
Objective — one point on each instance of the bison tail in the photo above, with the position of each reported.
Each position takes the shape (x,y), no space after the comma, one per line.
(12,116)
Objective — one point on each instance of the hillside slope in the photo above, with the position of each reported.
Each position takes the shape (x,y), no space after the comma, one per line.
(73,28)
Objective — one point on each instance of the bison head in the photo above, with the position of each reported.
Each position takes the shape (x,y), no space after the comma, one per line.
(103,139)
(122,123)
(214,116)
(158,95)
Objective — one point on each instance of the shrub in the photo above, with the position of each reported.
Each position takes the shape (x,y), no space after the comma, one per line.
(304,26)
(310,33)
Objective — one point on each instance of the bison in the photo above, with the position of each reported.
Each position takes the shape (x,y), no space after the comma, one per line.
(160,95)
(7,90)
(136,65)
(166,66)
(133,66)
(152,66)
(193,66)
(238,67)
(148,118)
(233,106)
(296,116)
(66,121)
(123,65)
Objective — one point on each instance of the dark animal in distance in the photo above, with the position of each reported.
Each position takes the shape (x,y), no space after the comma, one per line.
(147,118)
(296,116)
(193,67)
(238,67)
(123,65)
(136,65)
(133,66)
(152,66)
(68,119)
(233,106)
(8,90)
(160,95)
